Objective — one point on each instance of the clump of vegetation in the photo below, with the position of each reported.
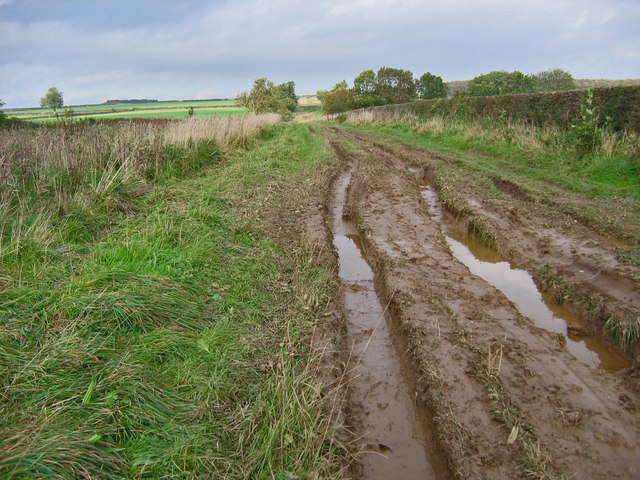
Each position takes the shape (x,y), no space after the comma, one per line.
(501,83)
(365,90)
(3,116)
(430,86)
(339,99)
(266,97)
(554,80)
(387,86)
(508,83)
(624,332)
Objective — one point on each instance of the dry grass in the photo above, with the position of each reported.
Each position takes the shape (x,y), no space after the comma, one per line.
(222,130)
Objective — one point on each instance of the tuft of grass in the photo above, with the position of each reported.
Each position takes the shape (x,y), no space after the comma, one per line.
(625,332)
(479,229)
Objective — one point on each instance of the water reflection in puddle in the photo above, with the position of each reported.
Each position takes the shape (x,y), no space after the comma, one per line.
(518,286)
(393,444)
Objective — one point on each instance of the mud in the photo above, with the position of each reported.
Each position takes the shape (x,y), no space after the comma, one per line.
(507,398)
(518,286)
(389,441)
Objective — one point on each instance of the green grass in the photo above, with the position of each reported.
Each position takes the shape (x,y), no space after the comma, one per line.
(157,335)
(155,113)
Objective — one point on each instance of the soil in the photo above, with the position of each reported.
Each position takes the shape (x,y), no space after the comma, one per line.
(499,397)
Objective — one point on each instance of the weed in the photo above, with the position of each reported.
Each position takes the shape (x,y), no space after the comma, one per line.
(551,281)
(537,463)
(629,255)
(586,133)
(624,331)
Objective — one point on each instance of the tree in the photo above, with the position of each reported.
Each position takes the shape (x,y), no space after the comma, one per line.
(554,80)
(365,83)
(364,89)
(322,94)
(288,89)
(501,83)
(395,85)
(52,99)
(339,99)
(431,86)
(265,97)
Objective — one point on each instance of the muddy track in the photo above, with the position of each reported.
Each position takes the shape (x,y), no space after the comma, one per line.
(505,398)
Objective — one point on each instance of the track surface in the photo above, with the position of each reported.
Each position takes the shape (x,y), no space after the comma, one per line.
(506,398)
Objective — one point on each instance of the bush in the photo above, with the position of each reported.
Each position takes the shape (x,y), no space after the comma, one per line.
(501,83)
(338,101)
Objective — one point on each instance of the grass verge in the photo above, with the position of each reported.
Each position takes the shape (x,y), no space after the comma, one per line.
(169,342)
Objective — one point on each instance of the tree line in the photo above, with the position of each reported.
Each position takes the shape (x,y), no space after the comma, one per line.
(394,85)
(388,85)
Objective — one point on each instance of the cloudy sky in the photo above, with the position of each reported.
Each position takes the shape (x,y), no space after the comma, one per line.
(184,49)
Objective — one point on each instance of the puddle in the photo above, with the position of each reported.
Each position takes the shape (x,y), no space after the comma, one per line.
(394,445)
(519,287)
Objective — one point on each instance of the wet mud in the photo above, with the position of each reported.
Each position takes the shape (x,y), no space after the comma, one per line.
(519,287)
(389,439)
(515,387)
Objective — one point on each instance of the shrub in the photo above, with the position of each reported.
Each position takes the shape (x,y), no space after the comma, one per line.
(338,101)
(586,132)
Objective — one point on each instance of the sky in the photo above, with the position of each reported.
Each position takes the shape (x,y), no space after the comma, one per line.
(98,50)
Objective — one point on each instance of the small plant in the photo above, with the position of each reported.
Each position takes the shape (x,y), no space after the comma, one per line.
(586,132)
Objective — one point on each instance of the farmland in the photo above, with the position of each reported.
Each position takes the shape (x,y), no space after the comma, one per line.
(169,109)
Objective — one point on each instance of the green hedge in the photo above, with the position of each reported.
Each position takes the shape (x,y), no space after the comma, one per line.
(560,109)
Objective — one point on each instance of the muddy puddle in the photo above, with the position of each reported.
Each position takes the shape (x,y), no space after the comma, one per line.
(390,434)
(518,286)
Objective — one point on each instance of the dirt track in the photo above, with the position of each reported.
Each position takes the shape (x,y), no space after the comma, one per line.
(481,369)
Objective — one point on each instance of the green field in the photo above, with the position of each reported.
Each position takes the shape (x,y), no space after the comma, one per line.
(173,109)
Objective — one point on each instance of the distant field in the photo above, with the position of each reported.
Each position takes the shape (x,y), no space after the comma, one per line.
(177,109)
(157,113)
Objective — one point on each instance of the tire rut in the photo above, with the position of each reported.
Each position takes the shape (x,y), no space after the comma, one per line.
(507,400)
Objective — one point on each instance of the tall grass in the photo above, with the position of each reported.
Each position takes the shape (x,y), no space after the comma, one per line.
(75,179)
(144,330)
(224,131)
(613,168)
